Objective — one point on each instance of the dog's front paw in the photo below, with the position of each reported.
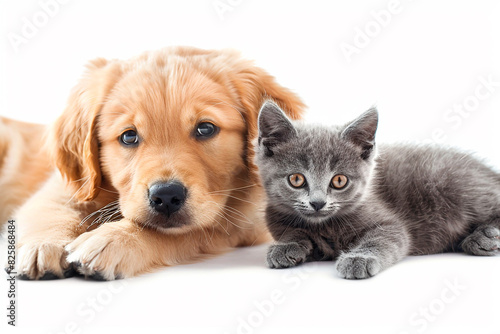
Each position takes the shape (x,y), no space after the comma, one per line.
(107,253)
(358,266)
(285,255)
(42,260)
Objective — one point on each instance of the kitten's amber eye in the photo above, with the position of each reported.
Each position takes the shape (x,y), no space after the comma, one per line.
(297,180)
(339,181)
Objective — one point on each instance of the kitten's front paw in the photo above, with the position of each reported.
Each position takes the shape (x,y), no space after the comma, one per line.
(285,255)
(485,241)
(358,266)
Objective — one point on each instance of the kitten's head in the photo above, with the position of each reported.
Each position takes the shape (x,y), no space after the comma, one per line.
(314,170)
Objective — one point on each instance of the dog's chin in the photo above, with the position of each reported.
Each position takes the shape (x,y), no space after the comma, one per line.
(177,223)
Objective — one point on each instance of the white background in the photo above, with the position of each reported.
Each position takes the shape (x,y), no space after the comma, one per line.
(422,62)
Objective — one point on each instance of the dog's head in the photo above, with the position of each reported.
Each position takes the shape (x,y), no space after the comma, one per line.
(170,131)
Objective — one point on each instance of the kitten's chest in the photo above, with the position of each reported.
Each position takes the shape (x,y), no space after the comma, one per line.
(325,248)
(328,243)
(331,239)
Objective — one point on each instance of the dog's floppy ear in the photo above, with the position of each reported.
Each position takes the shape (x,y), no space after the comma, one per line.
(74,144)
(256,86)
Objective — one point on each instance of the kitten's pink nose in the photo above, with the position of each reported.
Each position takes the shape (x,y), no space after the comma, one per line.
(317,205)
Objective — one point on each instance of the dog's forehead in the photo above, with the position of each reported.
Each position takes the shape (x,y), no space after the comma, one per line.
(174,83)
(175,95)
(170,86)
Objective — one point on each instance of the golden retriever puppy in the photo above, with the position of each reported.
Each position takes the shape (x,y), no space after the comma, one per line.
(24,163)
(154,166)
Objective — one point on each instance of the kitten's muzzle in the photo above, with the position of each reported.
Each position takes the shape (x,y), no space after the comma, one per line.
(317,205)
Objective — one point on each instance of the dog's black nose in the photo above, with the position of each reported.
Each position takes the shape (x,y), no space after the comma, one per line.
(168,197)
(317,205)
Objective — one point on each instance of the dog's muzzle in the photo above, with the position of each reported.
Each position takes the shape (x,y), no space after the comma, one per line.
(167,197)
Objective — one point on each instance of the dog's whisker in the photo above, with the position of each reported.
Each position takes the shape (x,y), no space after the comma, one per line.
(206,234)
(207,240)
(105,214)
(225,229)
(243,217)
(236,212)
(237,198)
(109,207)
(232,222)
(225,216)
(77,191)
(79,180)
(232,189)
(109,191)
(111,217)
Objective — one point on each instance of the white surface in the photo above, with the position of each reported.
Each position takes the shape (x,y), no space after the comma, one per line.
(428,58)
(222,294)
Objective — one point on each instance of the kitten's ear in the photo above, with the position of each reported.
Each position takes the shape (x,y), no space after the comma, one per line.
(274,127)
(362,131)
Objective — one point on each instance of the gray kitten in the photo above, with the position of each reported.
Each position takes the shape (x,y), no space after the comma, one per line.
(332,194)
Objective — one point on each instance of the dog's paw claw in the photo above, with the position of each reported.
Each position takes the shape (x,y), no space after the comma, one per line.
(71,271)
(24,277)
(96,276)
(48,276)
(76,265)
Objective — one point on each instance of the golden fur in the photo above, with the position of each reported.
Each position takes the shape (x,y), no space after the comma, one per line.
(24,163)
(163,95)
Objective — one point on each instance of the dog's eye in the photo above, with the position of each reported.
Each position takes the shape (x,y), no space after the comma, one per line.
(129,138)
(339,181)
(297,180)
(206,130)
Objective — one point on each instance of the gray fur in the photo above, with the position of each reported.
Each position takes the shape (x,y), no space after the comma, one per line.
(400,199)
